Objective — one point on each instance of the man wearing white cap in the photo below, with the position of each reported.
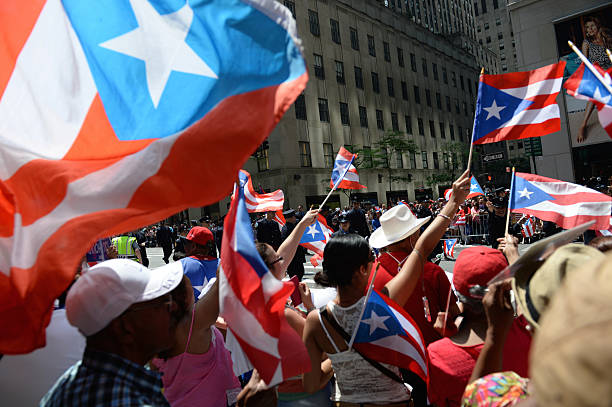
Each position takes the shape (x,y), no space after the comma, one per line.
(127,314)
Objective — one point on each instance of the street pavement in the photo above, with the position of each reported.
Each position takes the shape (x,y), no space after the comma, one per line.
(155,255)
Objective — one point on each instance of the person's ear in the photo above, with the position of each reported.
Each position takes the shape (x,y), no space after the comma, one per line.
(123,329)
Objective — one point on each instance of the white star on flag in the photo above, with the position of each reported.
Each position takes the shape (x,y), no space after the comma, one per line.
(525,193)
(493,110)
(159,41)
(599,97)
(340,168)
(376,321)
(312,230)
(473,187)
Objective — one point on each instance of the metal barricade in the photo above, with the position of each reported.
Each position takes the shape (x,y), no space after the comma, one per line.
(475,230)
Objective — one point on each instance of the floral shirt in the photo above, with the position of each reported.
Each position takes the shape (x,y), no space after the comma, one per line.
(501,389)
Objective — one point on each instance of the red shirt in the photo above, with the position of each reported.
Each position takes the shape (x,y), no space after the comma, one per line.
(433,280)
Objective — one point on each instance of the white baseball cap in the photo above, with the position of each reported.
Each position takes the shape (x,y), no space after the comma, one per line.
(111,287)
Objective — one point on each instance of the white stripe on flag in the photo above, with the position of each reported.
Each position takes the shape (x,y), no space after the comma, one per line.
(48,95)
(409,327)
(582,209)
(402,346)
(545,87)
(351,176)
(534,116)
(564,188)
(112,187)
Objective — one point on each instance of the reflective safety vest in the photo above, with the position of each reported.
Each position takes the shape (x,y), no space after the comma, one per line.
(124,247)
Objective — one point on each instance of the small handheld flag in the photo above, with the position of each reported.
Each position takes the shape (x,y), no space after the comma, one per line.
(313,233)
(344,174)
(256,202)
(475,188)
(528,228)
(317,246)
(449,248)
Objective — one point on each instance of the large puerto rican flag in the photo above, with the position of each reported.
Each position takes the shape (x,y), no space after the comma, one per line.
(252,302)
(583,84)
(518,105)
(568,205)
(344,174)
(116,114)
(387,334)
(255,202)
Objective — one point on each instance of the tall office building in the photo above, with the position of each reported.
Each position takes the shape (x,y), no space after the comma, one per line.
(375,67)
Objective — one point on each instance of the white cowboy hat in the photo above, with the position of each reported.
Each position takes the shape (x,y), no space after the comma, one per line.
(396,224)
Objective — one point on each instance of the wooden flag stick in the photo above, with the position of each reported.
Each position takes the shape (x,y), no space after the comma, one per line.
(609,54)
(509,201)
(590,66)
(469,163)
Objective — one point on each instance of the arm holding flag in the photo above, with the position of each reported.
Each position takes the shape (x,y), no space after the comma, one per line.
(401,286)
(289,246)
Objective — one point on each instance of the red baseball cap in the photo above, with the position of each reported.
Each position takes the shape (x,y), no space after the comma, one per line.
(199,235)
(477,266)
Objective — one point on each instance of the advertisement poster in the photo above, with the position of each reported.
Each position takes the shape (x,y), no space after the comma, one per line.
(592,34)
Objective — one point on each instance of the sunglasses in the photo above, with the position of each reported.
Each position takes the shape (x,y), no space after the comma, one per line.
(280,258)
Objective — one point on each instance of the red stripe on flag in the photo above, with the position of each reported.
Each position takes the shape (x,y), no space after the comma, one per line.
(17,19)
(540,101)
(577,197)
(566,222)
(392,357)
(521,131)
(521,79)
(266,363)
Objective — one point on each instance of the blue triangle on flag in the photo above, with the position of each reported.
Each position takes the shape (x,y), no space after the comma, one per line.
(591,86)
(378,321)
(475,186)
(496,109)
(525,194)
(313,233)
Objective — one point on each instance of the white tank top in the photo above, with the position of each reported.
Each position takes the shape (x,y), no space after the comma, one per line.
(357,381)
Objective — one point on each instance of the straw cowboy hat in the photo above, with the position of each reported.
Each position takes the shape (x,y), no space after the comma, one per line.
(395,225)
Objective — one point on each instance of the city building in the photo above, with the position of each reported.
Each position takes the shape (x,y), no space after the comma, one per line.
(581,149)
(374,69)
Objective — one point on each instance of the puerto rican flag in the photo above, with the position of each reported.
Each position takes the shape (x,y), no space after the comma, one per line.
(518,105)
(449,247)
(116,114)
(568,205)
(475,188)
(583,84)
(318,245)
(448,193)
(255,202)
(252,302)
(344,174)
(387,334)
(528,228)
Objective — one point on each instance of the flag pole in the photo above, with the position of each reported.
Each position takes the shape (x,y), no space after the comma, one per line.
(469,163)
(609,54)
(509,201)
(589,65)
(365,303)
(328,195)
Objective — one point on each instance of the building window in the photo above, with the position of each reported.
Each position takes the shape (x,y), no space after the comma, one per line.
(436,161)
(313,19)
(434,68)
(438,101)
(384,158)
(452,132)
(263,159)
(371,46)
(424,159)
(488,39)
(375,84)
(428,97)
(386,51)
(455,162)
(300,107)
(367,157)
(432,130)
(457,110)
(335,30)
(442,130)
(363,116)
(461,82)
(380,125)
(328,155)
(413,62)
(476,9)
(400,57)
(417,95)
(319,70)
(469,86)
(358,78)
(484,6)
(520,144)
(394,122)
(354,39)
(448,104)
(465,109)
(444,76)
(500,36)
(323,110)
(339,72)
(404,90)
(408,121)
(495,4)
(424,65)
(305,159)
(413,160)
(399,159)
(460,134)
(344,114)
(446,160)
(454,78)
(486,26)
(291,6)
(421,127)
(390,87)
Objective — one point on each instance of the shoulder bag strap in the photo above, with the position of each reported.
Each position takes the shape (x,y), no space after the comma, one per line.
(347,338)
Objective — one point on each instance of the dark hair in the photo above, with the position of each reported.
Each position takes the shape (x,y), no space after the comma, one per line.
(265,251)
(602,243)
(342,256)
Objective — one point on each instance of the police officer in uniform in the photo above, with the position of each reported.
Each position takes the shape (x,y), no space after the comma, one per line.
(127,248)
(359,224)
(268,231)
(345,226)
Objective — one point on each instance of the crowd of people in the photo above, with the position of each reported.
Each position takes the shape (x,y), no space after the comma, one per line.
(154,337)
